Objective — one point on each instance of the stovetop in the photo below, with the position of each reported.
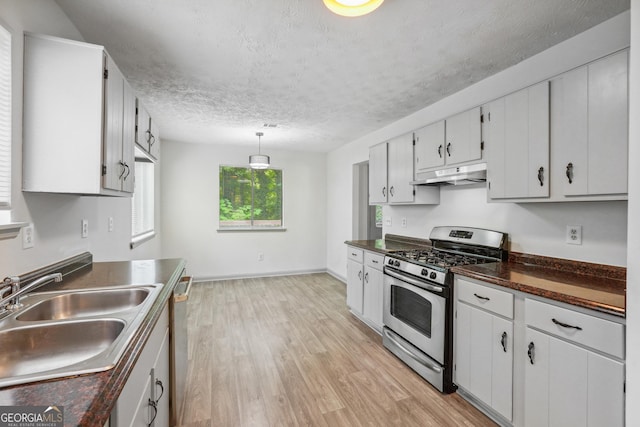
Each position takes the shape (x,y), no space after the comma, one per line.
(438,258)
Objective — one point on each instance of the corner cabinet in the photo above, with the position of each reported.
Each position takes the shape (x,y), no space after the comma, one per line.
(390,174)
(364,285)
(79,120)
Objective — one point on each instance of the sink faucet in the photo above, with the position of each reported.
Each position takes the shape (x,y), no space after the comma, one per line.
(12,283)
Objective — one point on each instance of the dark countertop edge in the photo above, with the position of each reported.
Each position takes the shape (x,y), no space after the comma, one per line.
(383,246)
(533,290)
(100,409)
(572,266)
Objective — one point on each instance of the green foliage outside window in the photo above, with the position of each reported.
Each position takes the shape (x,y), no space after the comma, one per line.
(250,197)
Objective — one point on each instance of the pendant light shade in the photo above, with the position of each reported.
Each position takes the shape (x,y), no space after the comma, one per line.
(259,161)
(352,8)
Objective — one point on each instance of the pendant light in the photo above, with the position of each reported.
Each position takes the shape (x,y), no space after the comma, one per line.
(259,161)
(352,8)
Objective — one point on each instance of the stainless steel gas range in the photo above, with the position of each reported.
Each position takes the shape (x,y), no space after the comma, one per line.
(418,298)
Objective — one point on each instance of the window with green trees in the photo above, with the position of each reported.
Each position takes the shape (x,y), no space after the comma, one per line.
(250,198)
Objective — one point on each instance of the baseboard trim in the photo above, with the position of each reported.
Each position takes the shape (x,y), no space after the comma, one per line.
(336,276)
(197,279)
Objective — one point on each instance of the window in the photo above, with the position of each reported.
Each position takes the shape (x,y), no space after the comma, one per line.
(142,202)
(250,198)
(5,118)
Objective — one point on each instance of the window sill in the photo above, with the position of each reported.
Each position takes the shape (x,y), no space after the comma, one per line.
(249,229)
(11,230)
(141,238)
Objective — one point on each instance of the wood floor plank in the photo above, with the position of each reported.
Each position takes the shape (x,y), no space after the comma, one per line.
(285,351)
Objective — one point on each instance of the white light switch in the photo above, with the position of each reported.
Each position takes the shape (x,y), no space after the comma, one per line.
(84,233)
(27,236)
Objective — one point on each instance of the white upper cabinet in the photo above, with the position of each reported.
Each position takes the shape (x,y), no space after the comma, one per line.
(450,142)
(147,133)
(590,128)
(391,172)
(75,107)
(463,142)
(518,144)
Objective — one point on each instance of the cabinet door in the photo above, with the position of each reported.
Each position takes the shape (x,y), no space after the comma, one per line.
(519,144)
(372,298)
(354,286)
(144,412)
(161,386)
(143,126)
(536,393)
(502,367)
(400,169)
(114,169)
(128,138)
(154,140)
(378,174)
(430,147)
(463,137)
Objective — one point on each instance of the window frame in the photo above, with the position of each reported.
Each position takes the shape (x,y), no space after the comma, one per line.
(252,228)
(137,239)
(6,118)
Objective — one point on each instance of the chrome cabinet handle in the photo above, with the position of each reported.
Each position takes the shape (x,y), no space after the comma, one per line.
(541,175)
(570,173)
(440,151)
(503,341)
(566,325)
(449,149)
(531,352)
(482,298)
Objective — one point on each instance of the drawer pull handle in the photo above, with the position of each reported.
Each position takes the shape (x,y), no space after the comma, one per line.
(375,261)
(531,352)
(354,254)
(481,297)
(503,341)
(565,325)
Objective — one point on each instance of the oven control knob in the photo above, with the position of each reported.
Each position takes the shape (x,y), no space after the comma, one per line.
(397,263)
(424,272)
(432,275)
(390,262)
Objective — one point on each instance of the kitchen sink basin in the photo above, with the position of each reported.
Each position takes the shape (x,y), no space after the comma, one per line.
(84,304)
(34,349)
(68,333)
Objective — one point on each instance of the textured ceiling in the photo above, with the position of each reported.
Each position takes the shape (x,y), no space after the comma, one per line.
(215,71)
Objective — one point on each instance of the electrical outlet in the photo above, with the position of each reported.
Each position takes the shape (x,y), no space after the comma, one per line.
(27,236)
(84,233)
(404,222)
(574,234)
(110,226)
(260,256)
(387,222)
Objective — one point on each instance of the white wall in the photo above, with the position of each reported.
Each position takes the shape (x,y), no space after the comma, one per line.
(190,213)
(533,228)
(57,217)
(633,255)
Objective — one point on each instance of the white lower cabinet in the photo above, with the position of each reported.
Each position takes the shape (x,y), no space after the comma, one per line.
(364,285)
(140,403)
(567,384)
(484,348)
(556,366)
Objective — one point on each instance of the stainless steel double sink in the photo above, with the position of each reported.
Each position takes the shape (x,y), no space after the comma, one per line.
(68,333)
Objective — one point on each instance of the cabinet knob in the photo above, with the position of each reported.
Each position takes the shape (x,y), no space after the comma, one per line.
(531,352)
(541,176)
(570,173)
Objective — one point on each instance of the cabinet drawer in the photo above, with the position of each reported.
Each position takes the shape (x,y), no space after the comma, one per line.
(373,260)
(490,299)
(355,254)
(599,334)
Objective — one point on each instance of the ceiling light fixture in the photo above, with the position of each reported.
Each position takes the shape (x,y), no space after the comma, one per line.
(259,161)
(352,8)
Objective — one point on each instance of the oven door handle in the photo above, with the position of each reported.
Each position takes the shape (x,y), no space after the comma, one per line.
(412,281)
(426,363)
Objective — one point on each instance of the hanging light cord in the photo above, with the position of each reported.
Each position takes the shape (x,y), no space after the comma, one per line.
(259,135)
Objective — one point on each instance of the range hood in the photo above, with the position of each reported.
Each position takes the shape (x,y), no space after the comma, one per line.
(461,175)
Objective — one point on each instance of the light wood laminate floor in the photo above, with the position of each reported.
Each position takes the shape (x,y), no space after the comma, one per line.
(285,351)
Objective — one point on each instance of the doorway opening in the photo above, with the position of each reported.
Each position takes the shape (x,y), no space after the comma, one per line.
(367,219)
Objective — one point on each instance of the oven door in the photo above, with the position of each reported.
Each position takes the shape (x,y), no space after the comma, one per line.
(416,310)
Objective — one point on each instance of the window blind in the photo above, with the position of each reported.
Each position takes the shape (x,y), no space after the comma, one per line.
(5,118)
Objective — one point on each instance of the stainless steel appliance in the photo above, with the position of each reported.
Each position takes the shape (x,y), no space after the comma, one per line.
(179,346)
(418,303)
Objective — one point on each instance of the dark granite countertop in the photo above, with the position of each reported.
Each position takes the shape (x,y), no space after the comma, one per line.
(594,286)
(88,399)
(390,243)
